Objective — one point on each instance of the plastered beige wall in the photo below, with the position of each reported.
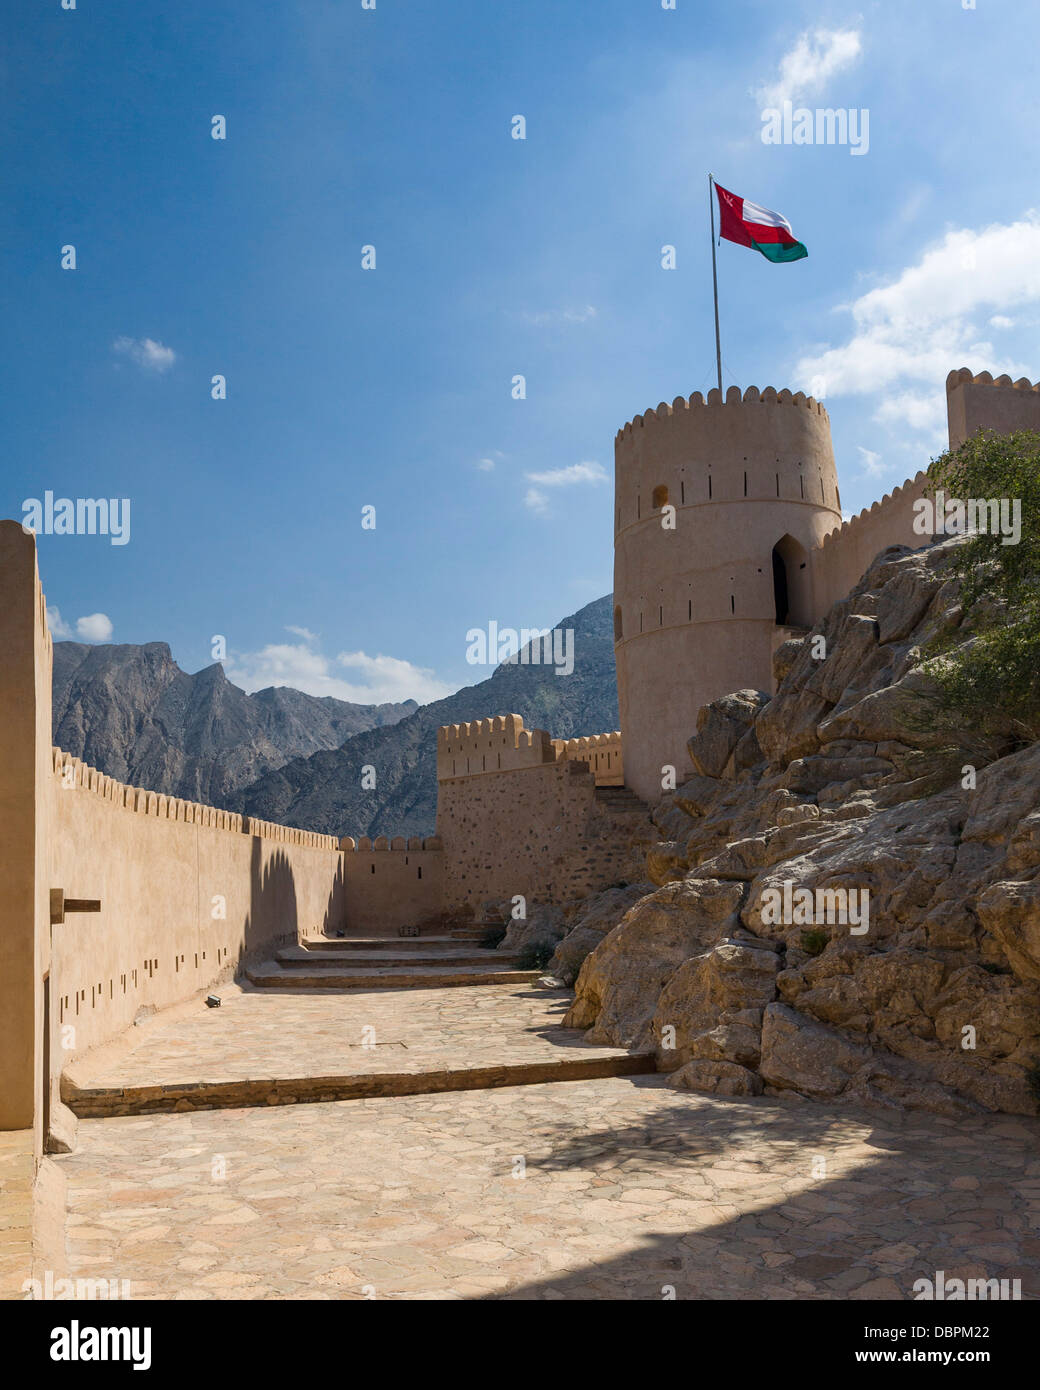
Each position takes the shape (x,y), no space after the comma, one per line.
(187,894)
(694,604)
(979,402)
(499,743)
(843,558)
(391,883)
(602,752)
(25,713)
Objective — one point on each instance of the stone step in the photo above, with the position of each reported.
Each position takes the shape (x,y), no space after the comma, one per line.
(401,976)
(94,1101)
(623,800)
(379,943)
(293,958)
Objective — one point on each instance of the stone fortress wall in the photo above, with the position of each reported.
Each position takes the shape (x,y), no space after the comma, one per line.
(391,883)
(187,893)
(979,402)
(520,813)
(842,558)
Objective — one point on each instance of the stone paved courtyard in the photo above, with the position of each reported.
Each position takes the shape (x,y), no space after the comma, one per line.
(627,1188)
(264,1046)
(258,1033)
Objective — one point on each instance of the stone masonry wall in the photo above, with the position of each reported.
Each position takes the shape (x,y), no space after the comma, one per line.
(538,831)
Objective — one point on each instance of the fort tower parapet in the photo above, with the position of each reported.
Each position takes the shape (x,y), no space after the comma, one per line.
(717,507)
(976,403)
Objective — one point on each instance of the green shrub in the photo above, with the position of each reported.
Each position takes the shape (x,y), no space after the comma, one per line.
(1033,1082)
(814,942)
(535,956)
(986,670)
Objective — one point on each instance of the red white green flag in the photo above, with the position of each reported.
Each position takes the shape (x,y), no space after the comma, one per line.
(747,224)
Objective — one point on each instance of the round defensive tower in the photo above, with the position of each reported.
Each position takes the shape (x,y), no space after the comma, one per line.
(700,591)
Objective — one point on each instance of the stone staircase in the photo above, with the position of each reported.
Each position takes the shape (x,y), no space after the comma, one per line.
(621,801)
(402,962)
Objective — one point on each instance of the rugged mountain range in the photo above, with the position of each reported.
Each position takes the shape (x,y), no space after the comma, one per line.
(323,792)
(134,714)
(285,756)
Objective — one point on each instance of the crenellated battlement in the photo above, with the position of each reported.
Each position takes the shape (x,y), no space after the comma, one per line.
(900,500)
(959,377)
(763,448)
(602,752)
(72,774)
(845,553)
(981,402)
(734,397)
(365,844)
(497,744)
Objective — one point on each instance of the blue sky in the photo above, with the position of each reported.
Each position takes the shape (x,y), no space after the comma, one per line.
(494,257)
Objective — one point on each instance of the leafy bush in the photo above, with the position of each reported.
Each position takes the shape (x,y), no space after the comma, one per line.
(535,956)
(986,670)
(1033,1082)
(814,942)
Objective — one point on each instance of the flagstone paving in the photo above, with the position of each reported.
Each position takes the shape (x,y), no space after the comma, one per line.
(264,1048)
(614,1188)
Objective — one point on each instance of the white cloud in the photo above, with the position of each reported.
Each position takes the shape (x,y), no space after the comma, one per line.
(95,627)
(487,463)
(303,632)
(810,64)
(394,678)
(147,353)
(908,335)
(303,667)
(546,316)
(924,411)
(873,466)
(59,628)
(575,473)
(566,477)
(1001,321)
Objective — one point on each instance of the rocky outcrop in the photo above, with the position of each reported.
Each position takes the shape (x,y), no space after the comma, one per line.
(543,926)
(848,885)
(596,916)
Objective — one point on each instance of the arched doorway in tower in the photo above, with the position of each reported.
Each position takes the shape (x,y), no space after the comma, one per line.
(792,594)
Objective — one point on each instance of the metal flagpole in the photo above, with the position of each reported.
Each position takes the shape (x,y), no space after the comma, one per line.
(715,280)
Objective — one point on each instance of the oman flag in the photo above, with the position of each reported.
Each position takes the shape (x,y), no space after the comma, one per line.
(750,225)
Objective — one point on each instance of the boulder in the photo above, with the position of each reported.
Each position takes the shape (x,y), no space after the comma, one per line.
(716,1078)
(621,981)
(712,1005)
(852,777)
(544,925)
(596,917)
(1010,910)
(799,1055)
(720,727)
